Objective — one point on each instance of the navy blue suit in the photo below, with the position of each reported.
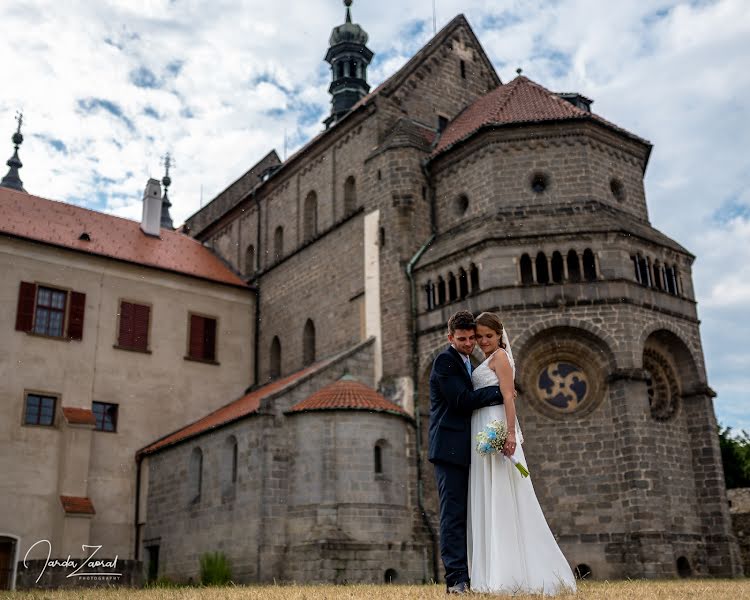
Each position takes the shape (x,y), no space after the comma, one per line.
(452,400)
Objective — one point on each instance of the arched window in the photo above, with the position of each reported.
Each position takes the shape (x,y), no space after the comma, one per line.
(440,291)
(229,463)
(677,285)
(250,260)
(452,290)
(340,70)
(195,478)
(658,275)
(429,289)
(474,278)
(378,459)
(278,243)
(557,267)
(589,265)
(643,270)
(635,266)
(308,343)
(353,69)
(350,195)
(542,272)
(574,267)
(527,273)
(669,274)
(310,226)
(463,283)
(275,370)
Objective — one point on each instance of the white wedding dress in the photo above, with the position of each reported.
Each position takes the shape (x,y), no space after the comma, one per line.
(510,546)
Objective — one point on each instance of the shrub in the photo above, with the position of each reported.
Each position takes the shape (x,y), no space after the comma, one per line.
(215,569)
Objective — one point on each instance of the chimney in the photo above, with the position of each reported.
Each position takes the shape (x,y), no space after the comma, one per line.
(151,221)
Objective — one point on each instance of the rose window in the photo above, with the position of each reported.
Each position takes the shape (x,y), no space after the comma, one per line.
(563,386)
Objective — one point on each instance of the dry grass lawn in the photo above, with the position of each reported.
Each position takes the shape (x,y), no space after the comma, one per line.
(694,589)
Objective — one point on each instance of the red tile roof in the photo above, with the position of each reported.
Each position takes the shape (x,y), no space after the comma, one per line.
(246,405)
(516,102)
(75,505)
(348,394)
(79,416)
(60,224)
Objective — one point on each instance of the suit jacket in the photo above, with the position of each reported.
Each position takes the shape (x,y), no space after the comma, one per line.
(452,400)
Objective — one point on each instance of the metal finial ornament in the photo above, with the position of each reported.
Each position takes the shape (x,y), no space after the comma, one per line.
(348,4)
(519,70)
(12,180)
(166,218)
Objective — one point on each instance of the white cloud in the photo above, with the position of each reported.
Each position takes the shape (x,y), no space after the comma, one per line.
(232,76)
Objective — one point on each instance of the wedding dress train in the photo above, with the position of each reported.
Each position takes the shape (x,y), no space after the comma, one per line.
(510,546)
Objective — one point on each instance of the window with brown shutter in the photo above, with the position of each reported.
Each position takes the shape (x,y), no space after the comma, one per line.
(134,322)
(202,338)
(50,312)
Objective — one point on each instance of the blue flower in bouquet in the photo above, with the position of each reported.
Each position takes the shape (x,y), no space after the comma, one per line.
(491,435)
(486,447)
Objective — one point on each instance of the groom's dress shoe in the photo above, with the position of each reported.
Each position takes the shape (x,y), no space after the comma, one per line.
(461,587)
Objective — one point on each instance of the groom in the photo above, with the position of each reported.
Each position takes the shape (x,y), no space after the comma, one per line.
(452,400)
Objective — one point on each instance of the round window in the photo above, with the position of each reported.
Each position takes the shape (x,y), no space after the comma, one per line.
(563,385)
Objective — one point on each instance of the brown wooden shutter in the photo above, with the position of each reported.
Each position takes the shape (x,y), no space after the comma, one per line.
(125,338)
(141,316)
(25,312)
(77,308)
(209,339)
(196,337)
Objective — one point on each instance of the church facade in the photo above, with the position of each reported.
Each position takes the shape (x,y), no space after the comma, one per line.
(445,189)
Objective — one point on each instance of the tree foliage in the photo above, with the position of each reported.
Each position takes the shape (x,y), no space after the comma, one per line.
(735,454)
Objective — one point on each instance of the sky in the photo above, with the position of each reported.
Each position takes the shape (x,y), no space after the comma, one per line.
(108,87)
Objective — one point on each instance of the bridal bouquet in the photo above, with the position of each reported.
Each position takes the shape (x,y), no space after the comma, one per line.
(491,441)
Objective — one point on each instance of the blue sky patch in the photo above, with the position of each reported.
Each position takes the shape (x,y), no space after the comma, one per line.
(731,209)
(149,111)
(144,78)
(92,105)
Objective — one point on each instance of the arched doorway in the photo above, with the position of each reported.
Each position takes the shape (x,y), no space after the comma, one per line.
(8,561)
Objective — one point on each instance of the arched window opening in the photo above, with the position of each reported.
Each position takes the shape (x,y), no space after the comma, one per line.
(635,266)
(474,278)
(278,243)
(589,265)
(378,456)
(643,270)
(452,290)
(308,343)
(574,267)
(677,285)
(353,68)
(463,283)
(658,275)
(250,260)
(340,70)
(440,291)
(683,567)
(527,272)
(669,275)
(542,272)
(429,289)
(275,370)
(557,267)
(196,475)
(310,225)
(390,576)
(582,571)
(350,195)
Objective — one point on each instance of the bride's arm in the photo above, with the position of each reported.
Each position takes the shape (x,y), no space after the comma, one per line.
(501,365)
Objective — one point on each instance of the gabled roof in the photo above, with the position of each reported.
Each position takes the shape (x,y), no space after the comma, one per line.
(244,406)
(64,225)
(517,102)
(348,394)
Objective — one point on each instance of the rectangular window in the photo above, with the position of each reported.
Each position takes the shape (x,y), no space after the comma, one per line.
(202,338)
(106,416)
(49,316)
(442,123)
(49,311)
(40,410)
(134,322)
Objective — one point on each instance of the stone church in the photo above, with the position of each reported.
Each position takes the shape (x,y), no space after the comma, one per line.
(445,188)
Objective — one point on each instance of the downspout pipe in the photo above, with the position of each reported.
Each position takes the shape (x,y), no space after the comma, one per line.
(415,379)
(137,549)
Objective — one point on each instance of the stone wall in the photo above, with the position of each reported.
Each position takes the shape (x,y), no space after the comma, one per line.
(739,509)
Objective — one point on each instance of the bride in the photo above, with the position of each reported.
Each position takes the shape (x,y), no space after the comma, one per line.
(510,546)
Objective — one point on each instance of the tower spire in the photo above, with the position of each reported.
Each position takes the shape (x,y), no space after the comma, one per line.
(349,58)
(166,219)
(12,180)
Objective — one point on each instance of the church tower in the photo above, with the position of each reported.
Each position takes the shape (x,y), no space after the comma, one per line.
(12,179)
(349,57)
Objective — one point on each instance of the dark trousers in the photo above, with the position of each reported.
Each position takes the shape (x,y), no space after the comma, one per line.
(453,489)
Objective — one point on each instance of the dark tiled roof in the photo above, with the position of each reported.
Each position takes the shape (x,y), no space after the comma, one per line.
(75,505)
(517,102)
(79,416)
(61,224)
(348,394)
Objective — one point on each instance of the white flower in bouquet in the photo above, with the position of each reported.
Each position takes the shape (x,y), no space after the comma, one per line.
(491,441)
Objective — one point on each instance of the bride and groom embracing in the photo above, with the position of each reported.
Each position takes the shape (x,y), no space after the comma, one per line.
(492,530)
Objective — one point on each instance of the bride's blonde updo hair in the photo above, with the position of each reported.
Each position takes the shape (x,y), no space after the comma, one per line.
(492,321)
